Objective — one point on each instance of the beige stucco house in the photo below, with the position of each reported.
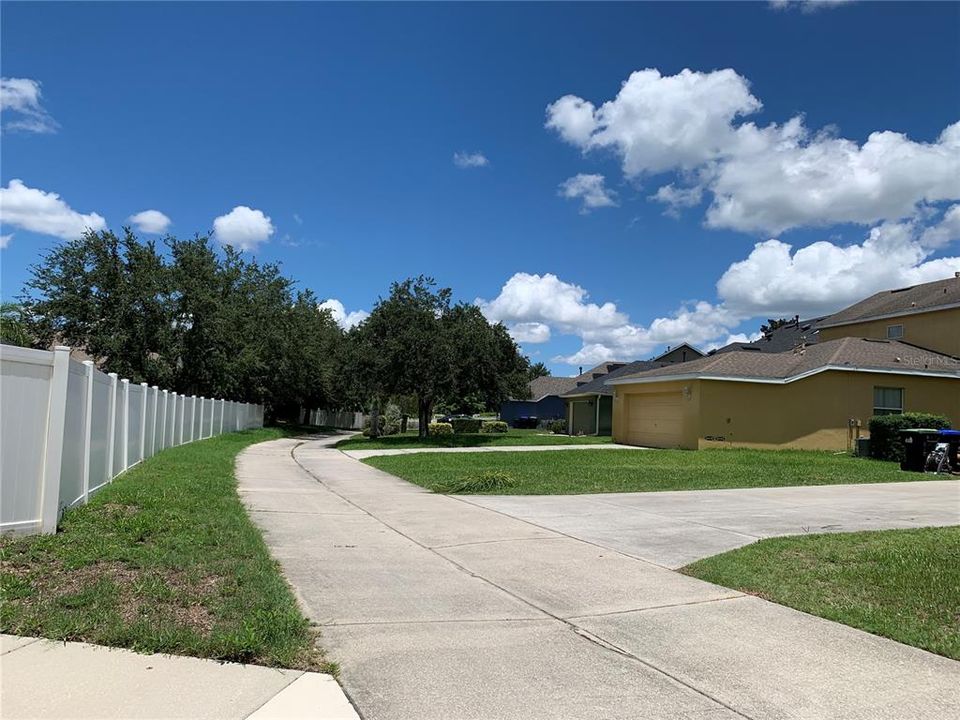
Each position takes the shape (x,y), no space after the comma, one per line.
(814,396)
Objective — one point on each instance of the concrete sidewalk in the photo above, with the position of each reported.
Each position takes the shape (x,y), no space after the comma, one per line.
(439,608)
(363,454)
(55,680)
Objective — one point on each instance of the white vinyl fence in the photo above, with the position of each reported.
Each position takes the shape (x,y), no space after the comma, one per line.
(67,429)
(342,420)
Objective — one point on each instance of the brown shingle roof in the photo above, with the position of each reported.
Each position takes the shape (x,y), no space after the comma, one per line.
(548,385)
(859,353)
(890,303)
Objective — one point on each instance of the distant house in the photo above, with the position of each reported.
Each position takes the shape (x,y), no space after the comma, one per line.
(545,402)
(680,353)
(794,333)
(896,351)
(589,406)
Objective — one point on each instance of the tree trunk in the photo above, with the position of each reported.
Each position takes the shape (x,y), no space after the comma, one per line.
(424,411)
(375,418)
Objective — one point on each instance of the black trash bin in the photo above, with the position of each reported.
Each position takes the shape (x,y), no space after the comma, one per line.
(917,444)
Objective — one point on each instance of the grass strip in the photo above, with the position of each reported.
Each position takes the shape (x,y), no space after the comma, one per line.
(164,559)
(513,437)
(595,471)
(901,584)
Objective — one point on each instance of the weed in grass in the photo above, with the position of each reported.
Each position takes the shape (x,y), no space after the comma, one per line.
(491,481)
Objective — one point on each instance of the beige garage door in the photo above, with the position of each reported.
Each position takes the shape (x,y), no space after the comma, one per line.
(655,420)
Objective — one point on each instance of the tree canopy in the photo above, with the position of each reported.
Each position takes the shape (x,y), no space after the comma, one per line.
(200,319)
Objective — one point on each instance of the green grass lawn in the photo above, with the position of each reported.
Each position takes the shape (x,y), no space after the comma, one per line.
(902,584)
(164,559)
(594,471)
(513,437)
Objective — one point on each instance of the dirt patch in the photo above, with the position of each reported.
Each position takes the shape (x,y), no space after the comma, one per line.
(139,593)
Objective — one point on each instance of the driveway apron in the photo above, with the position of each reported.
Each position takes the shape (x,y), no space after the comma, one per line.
(436,607)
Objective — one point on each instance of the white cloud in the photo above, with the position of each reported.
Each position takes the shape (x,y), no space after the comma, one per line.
(779,178)
(762,179)
(528,298)
(944,232)
(530,332)
(21,97)
(5,240)
(150,221)
(656,122)
(774,280)
(243,228)
(807,6)
(297,219)
(340,315)
(677,198)
(470,160)
(44,212)
(590,190)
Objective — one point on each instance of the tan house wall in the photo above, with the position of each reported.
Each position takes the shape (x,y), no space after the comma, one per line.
(810,413)
(691,407)
(938,330)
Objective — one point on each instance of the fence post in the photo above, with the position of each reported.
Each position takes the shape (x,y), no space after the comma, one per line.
(200,426)
(143,421)
(125,419)
(87,426)
(173,419)
(163,425)
(213,404)
(193,416)
(112,425)
(153,427)
(181,414)
(53,452)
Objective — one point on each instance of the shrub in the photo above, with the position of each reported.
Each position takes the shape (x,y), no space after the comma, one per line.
(466,425)
(440,429)
(391,419)
(381,423)
(494,426)
(557,427)
(885,432)
(488,481)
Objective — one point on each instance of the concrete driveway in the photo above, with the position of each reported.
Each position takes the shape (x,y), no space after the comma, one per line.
(675,528)
(436,607)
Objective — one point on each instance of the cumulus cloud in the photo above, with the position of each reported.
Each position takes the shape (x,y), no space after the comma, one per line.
(658,123)
(944,232)
(150,221)
(530,332)
(20,103)
(590,190)
(470,160)
(774,280)
(43,212)
(5,240)
(762,178)
(340,315)
(244,228)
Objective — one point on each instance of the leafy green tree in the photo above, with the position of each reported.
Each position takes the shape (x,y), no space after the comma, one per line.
(15,325)
(538,370)
(110,297)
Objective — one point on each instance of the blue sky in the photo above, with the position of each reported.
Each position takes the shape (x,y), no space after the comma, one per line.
(825,134)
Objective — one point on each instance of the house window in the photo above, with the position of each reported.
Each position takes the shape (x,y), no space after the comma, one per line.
(894,332)
(887,401)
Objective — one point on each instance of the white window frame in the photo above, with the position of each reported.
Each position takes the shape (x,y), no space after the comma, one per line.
(891,335)
(880,410)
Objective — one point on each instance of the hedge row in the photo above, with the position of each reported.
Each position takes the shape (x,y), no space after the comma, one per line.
(885,430)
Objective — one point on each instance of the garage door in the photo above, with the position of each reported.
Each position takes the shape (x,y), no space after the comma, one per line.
(655,420)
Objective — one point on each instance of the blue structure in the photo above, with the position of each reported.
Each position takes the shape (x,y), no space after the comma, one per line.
(549,407)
